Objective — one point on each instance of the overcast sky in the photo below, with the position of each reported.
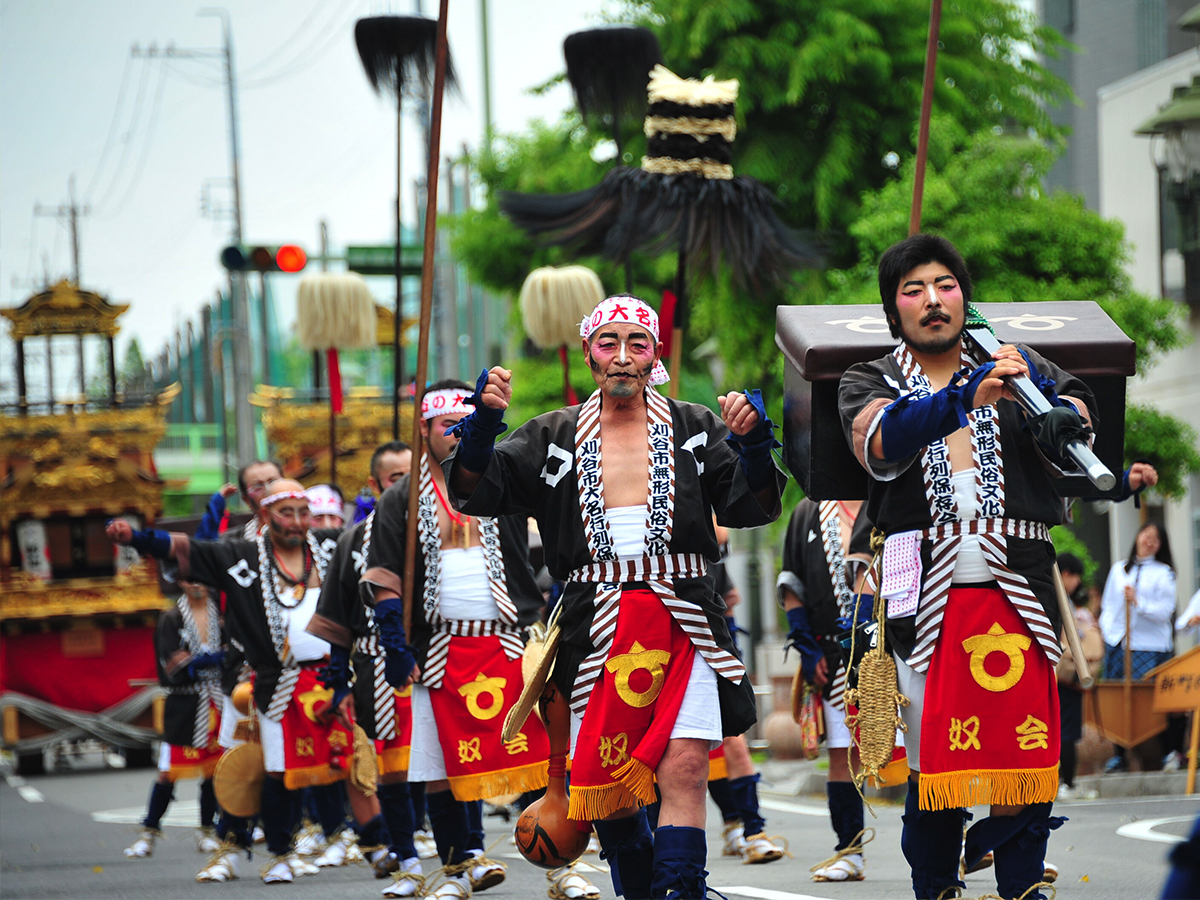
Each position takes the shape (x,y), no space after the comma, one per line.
(144,136)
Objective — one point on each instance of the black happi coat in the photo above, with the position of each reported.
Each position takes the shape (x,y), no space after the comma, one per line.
(532,473)
(171,661)
(341,618)
(387,554)
(805,571)
(231,565)
(900,503)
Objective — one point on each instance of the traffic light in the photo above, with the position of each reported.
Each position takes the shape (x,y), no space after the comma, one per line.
(284,258)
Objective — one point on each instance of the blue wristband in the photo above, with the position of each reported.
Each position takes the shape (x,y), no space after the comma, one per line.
(477,432)
(152,542)
(801,637)
(1043,383)
(754,448)
(912,423)
(389,616)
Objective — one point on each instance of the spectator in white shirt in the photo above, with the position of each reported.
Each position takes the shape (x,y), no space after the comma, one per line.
(1190,617)
(1143,584)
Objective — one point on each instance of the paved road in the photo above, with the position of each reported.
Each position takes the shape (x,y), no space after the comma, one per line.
(62,836)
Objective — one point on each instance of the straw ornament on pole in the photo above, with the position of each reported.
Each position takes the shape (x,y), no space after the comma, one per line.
(441,69)
(554,300)
(334,311)
(683,198)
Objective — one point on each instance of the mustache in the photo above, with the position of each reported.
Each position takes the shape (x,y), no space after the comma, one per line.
(935,317)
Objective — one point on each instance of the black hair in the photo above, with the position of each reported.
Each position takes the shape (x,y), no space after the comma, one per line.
(1069,562)
(450,384)
(906,255)
(256,462)
(389,447)
(1164,547)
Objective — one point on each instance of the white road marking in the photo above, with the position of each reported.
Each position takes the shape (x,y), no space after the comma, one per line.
(797,808)
(180,814)
(765,893)
(1144,830)
(21,786)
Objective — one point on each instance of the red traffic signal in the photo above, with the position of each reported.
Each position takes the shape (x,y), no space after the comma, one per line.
(283,258)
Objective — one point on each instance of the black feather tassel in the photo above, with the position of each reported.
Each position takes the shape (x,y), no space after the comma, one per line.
(608,69)
(716,220)
(398,50)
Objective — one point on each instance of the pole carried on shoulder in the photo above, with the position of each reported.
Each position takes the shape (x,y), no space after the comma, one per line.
(431,197)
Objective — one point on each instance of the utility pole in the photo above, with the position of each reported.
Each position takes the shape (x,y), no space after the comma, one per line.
(70,211)
(243,413)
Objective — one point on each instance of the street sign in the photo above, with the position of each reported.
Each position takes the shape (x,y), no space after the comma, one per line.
(381,260)
(1177,683)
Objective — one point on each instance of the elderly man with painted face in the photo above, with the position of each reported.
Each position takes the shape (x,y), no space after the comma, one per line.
(624,488)
(356,653)
(962,484)
(473,594)
(272,584)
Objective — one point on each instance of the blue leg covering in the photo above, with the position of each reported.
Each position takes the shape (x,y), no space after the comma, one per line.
(395,802)
(161,796)
(680,853)
(451,830)
(718,789)
(845,812)
(1021,859)
(931,841)
(475,823)
(208,803)
(745,798)
(629,848)
(280,813)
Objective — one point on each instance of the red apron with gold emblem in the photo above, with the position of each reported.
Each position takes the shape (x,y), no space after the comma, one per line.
(631,710)
(392,754)
(198,762)
(990,727)
(480,686)
(313,753)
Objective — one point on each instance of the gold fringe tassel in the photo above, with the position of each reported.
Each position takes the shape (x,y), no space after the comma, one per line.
(717,769)
(598,801)
(639,778)
(517,780)
(202,770)
(393,759)
(976,787)
(312,776)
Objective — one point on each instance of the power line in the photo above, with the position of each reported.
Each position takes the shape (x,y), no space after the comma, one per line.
(316,49)
(147,142)
(112,126)
(127,139)
(266,60)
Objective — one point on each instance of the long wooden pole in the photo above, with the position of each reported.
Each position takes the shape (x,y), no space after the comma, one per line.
(431,206)
(1193,747)
(1067,611)
(935,23)
(397,323)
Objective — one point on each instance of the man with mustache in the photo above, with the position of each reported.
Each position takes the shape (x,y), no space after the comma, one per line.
(624,488)
(272,584)
(962,484)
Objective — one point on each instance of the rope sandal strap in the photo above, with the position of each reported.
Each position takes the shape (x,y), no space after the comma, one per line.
(856,845)
(414,878)
(774,839)
(447,873)
(1028,891)
(566,877)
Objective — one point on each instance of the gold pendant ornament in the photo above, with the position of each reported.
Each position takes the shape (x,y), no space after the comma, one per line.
(298,591)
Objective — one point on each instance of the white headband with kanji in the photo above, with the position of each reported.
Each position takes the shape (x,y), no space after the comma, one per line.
(324,501)
(626,311)
(447,402)
(283,495)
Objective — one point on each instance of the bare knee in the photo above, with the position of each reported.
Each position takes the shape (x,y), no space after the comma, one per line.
(434,787)
(684,766)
